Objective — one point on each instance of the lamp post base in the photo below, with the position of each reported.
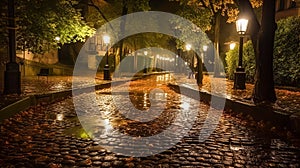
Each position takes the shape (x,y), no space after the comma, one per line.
(240,79)
(106,72)
(12,79)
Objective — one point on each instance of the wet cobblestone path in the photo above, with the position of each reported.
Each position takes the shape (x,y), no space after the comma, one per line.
(52,136)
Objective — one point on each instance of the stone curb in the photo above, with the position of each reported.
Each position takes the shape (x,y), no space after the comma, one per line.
(16,107)
(51,97)
(279,119)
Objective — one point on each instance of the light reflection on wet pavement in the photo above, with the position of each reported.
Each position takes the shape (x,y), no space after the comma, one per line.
(52,136)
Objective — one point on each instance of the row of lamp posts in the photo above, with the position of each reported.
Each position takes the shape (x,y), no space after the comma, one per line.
(12,73)
(240,74)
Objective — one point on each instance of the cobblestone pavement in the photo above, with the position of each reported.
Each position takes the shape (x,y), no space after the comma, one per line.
(31,85)
(52,136)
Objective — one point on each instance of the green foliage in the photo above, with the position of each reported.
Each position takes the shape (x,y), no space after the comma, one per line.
(40,21)
(287,52)
(201,18)
(225,7)
(232,62)
(101,12)
(249,61)
(286,55)
(144,40)
(112,9)
(232,58)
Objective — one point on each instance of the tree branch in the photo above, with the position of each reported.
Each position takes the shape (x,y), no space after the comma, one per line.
(203,3)
(92,4)
(212,8)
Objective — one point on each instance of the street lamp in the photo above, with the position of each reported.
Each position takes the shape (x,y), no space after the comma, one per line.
(205,47)
(145,53)
(204,55)
(12,74)
(188,47)
(57,38)
(240,75)
(232,45)
(145,62)
(106,41)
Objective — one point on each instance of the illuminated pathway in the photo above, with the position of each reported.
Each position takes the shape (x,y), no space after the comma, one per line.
(52,136)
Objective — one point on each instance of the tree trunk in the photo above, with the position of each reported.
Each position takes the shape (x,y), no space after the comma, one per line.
(264,91)
(262,38)
(216,44)
(122,27)
(199,70)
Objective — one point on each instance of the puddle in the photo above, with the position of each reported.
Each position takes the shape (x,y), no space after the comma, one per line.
(77,132)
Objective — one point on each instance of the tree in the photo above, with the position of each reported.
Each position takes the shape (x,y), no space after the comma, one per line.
(41,21)
(286,53)
(103,11)
(212,11)
(262,37)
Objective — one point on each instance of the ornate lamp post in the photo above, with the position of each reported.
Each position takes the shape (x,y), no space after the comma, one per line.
(106,40)
(145,62)
(205,47)
(176,61)
(12,74)
(204,55)
(188,47)
(240,75)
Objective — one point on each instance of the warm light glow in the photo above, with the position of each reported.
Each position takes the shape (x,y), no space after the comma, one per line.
(188,47)
(107,125)
(106,39)
(57,38)
(232,46)
(185,106)
(146,53)
(59,117)
(205,47)
(241,26)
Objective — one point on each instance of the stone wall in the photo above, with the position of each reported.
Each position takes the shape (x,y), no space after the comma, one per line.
(50,57)
(31,68)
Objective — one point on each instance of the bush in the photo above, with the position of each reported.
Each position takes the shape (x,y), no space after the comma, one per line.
(232,58)
(286,55)
(287,52)
(232,62)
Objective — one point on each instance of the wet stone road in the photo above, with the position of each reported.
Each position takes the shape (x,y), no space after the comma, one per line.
(104,131)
